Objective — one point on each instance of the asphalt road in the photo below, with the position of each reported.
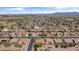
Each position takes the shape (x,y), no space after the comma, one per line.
(45,37)
(30,44)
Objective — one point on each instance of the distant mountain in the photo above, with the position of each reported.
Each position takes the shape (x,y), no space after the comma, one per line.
(59,14)
(66,13)
(51,14)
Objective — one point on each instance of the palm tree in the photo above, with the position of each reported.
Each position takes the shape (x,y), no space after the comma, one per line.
(73,42)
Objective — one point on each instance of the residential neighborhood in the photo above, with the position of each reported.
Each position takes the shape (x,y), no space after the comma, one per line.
(39,33)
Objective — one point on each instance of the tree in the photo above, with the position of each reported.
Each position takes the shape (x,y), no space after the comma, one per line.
(56,45)
(63,45)
(76,28)
(30,34)
(36,45)
(73,41)
(29,31)
(2,27)
(54,41)
(63,41)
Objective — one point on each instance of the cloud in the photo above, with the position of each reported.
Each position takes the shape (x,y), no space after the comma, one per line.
(12,10)
(15,9)
(68,9)
(27,10)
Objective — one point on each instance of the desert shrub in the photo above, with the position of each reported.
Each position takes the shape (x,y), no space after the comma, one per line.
(23,43)
(6,44)
(16,44)
(46,50)
(50,43)
(70,44)
(42,35)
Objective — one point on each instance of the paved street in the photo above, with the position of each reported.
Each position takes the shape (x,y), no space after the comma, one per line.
(30,44)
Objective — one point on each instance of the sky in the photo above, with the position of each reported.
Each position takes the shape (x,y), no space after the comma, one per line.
(36,10)
(38,6)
